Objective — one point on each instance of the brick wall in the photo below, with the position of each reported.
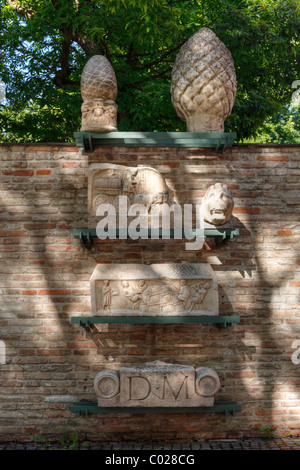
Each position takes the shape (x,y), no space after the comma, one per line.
(45,276)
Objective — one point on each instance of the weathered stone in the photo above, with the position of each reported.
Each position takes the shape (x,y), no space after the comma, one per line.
(98,91)
(107,386)
(141,185)
(157,384)
(207,381)
(157,290)
(203,84)
(217,204)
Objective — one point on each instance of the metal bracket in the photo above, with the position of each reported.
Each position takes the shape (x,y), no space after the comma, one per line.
(223,321)
(87,407)
(87,142)
(222,146)
(86,241)
(218,141)
(86,235)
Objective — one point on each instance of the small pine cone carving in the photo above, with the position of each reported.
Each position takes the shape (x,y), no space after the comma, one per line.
(203,87)
(99,91)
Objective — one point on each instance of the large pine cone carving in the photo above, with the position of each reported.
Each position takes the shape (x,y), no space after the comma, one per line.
(203,87)
(98,91)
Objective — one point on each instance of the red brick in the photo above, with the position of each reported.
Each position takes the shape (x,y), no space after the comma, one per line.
(57,406)
(39,226)
(50,352)
(54,292)
(43,172)
(274,158)
(13,233)
(31,430)
(43,148)
(65,226)
(19,172)
(172,164)
(136,352)
(27,352)
(70,165)
(246,210)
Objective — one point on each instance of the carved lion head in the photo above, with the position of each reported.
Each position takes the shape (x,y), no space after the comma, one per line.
(217,204)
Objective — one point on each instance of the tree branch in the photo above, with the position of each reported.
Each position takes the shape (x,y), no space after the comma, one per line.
(90,48)
(157,75)
(157,61)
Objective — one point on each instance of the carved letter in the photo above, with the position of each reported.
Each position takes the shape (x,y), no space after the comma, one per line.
(139,387)
(175,395)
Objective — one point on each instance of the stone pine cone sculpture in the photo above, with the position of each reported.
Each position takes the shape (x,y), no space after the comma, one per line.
(99,91)
(203,84)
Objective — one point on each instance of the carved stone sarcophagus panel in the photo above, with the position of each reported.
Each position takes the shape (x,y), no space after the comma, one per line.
(168,289)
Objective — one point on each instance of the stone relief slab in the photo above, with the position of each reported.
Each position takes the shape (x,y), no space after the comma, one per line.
(141,185)
(157,384)
(168,289)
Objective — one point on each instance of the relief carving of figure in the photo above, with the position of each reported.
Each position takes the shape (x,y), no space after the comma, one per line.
(164,298)
(201,291)
(106,295)
(129,292)
(184,291)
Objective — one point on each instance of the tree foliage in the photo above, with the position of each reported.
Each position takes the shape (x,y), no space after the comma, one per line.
(45,44)
(282,128)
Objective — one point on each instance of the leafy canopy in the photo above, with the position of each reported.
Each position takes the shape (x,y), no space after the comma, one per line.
(45,44)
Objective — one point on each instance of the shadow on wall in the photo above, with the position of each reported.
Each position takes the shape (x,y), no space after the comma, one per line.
(254,359)
(36,252)
(224,350)
(255,272)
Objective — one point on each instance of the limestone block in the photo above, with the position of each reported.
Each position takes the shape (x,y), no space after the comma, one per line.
(168,289)
(141,185)
(157,384)
(107,181)
(203,84)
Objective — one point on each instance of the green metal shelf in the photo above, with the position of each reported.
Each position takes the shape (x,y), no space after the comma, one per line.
(86,235)
(216,140)
(219,320)
(88,407)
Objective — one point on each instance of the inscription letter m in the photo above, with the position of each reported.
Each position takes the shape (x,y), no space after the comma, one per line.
(175,395)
